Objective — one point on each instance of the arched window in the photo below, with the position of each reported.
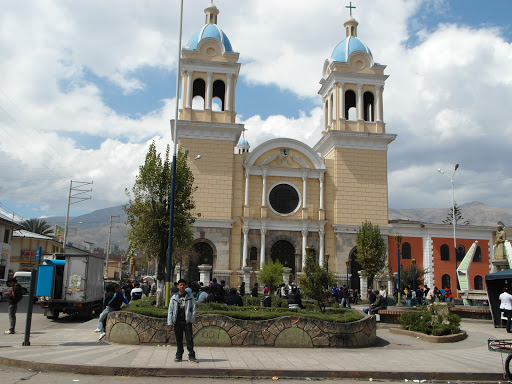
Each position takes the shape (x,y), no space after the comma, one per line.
(445,281)
(445,252)
(478,283)
(368,102)
(477,257)
(461,252)
(198,89)
(253,254)
(333,112)
(219,91)
(348,32)
(406,250)
(350,105)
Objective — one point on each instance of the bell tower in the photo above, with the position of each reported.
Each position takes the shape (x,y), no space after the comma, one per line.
(354,142)
(207,117)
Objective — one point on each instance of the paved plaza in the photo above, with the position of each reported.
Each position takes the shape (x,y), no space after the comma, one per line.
(75,348)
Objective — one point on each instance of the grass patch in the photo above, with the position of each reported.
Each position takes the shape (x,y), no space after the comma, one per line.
(249,312)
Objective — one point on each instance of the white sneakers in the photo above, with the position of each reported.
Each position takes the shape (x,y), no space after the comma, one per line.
(97,330)
(102,335)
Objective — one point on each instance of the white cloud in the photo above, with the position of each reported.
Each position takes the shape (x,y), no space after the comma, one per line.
(447,97)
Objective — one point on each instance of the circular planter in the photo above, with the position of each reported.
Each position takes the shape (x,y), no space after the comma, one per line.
(431,339)
(220,331)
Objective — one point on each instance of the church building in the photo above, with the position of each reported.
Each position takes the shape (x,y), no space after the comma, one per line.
(274,201)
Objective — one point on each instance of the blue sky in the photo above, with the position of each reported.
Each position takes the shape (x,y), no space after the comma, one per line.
(86,86)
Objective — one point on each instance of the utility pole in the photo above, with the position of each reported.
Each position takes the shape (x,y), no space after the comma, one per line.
(108,243)
(75,192)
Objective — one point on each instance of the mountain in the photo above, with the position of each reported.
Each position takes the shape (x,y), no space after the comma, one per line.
(94,226)
(475,212)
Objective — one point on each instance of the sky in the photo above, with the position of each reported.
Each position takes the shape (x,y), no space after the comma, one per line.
(86,86)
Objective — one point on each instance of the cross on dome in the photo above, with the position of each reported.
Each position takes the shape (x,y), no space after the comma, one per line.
(350,7)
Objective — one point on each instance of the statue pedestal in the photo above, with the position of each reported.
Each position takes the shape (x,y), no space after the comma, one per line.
(286,274)
(244,275)
(205,271)
(499,265)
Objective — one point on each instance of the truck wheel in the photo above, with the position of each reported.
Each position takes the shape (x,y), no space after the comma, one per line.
(54,315)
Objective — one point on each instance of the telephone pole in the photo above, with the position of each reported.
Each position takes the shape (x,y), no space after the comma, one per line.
(108,243)
(75,192)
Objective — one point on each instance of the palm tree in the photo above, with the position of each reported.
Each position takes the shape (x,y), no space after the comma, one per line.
(39,226)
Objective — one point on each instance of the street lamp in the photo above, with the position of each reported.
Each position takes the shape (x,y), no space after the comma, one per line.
(453,212)
(413,274)
(398,241)
(173,171)
(347,263)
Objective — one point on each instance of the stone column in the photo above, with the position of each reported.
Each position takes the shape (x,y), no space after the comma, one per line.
(234,93)
(329,111)
(209,90)
(245,275)
(304,242)
(342,101)
(264,189)
(245,246)
(304,190)
(363,283)
(246,198)
(321,180)
(204,273)
(326,117)
(321,251)
(360,101)
(188,103)
(228,93)
(378,103)
(263,232)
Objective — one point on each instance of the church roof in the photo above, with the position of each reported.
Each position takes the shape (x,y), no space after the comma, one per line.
(348,46)
(212,31)
(242,142)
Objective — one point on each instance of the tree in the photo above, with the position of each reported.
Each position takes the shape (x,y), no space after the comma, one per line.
(316,281)
(271,274)
(458,216)
(406,276)
(371,249)
(39,226)
(149,207)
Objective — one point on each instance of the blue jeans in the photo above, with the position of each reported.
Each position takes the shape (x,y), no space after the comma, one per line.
(179,328)
(103,319)
(12,316)
(343,301)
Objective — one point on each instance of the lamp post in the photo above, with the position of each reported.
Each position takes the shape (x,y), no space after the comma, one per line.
(453,212)
(347,263)
(398,241)
(413,274)
(173,172)
(327,262)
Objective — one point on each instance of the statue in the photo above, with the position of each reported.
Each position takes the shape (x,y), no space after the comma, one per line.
(499,244)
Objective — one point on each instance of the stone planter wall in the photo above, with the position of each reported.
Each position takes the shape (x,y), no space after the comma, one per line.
(220,331)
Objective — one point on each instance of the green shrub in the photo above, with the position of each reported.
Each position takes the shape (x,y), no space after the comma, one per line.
(425,322)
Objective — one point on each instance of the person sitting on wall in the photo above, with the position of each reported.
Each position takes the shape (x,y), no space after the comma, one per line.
(295,299)
(234,299)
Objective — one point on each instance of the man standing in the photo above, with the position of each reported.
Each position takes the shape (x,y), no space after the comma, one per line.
(345,297)
(506,306)
(182,313)
(15,296)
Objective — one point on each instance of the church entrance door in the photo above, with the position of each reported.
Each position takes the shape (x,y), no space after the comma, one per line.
(284,251)
(202,253)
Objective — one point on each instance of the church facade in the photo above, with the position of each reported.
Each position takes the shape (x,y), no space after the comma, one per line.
(274,201)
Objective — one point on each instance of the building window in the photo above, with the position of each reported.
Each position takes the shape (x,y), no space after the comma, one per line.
(477,258)
(6,236)
(445,281)
(253,254)
(284,199)
(445,252)
(406,250)
(478,283)
(461,252)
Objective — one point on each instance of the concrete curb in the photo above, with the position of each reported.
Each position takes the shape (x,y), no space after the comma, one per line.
(430,338)
(248,373)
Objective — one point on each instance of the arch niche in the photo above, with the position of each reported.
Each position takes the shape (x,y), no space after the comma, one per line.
(284,251)
(202,253)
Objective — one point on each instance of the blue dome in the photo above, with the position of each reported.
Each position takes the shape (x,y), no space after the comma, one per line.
(345,48)
(242,141)
(210,30)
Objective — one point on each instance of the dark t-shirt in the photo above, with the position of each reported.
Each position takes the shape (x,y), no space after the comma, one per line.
(181,308)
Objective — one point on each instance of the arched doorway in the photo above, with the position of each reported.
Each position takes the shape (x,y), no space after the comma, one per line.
(202,253)
(284,251)
(355,267)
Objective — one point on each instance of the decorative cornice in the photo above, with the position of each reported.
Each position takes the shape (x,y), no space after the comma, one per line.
(355,140)
(192,129)
(283,224)
(213,223)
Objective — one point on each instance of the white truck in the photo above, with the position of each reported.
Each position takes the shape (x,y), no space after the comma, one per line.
(70,283)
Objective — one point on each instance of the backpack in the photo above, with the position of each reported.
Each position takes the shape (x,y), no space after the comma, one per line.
(136,295)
